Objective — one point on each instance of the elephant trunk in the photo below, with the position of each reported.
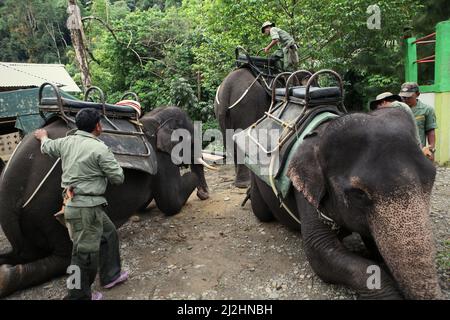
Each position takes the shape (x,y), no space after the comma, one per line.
(400,225)
(202,187)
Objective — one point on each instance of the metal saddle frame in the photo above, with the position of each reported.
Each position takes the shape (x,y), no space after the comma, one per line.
(112,115)
(261,67)
(323,99)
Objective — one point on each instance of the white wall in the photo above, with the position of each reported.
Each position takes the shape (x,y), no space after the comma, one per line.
(428,98)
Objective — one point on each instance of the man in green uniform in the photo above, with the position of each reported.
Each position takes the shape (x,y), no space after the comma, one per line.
(424,115)
(88,165)
(287,51)
(389,100)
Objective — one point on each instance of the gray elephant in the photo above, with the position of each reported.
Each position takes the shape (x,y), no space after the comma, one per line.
(235,109)
(366,173)
(41,248)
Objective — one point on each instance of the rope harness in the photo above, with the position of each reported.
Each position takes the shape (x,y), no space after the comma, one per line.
(243,95)
(42,183)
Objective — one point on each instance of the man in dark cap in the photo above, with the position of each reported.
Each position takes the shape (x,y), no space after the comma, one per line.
(424,115)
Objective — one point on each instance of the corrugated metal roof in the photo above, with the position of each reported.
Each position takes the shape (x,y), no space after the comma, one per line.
(20,75)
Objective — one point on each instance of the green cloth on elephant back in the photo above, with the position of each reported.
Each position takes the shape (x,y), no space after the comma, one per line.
(87,165)
(281,182)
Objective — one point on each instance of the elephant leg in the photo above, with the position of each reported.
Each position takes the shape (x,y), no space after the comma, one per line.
(9,258)
(14,278)
(174,193)
(172,189)
(144,207)
(259,206)
(334,263)
(242,179)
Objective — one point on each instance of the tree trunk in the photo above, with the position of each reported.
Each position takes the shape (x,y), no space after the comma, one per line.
(75,26)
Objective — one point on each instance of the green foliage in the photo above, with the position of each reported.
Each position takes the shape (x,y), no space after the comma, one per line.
(331,34)
(178,52)
(33,31)
(434,11)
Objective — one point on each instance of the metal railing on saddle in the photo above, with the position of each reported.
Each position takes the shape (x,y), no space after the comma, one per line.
(261,67)
(293,107)
(118,121)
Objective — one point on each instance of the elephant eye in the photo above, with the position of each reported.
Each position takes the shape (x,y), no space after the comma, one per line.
(358,197)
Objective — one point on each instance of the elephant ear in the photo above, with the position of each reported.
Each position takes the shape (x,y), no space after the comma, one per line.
(306,173)
(181,142)
(164,141)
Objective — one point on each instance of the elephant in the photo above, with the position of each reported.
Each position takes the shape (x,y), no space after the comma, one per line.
(41,248)
(243,114)
(365,172)
(2,165)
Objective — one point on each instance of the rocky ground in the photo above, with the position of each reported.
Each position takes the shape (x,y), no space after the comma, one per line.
(217,249)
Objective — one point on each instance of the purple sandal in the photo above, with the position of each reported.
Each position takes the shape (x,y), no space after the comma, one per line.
(96,296)
(121,278)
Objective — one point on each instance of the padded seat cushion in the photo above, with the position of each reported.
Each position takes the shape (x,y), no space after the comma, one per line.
(259,61)
(77,104)
(314,92)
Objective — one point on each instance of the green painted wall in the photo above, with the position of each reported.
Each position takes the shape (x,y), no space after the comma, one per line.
(442,109)
(442,64)
(441,86)
(410,61)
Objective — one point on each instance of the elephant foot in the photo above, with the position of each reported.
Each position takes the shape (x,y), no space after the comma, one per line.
(242,184)
(202,193)
(6,277)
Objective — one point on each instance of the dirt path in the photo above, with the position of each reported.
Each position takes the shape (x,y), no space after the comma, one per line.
(217,250)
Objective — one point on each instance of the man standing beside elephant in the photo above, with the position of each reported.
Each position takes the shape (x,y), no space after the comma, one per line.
(87,165)
(425,117)
(389,100)
(287,51)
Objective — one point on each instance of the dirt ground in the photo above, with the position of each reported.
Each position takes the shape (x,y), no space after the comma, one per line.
(216,249)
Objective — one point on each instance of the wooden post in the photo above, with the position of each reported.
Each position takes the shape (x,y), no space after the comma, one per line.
(75,26)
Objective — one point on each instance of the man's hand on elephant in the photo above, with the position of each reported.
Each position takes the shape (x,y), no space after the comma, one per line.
(40,134)
(428,152)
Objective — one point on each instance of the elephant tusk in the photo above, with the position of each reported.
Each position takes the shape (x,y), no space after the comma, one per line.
(217,95)
(203,163)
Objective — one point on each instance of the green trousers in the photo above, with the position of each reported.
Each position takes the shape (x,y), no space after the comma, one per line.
(95,246)
(288,58)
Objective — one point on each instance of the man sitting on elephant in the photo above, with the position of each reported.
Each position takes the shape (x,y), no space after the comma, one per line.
(287,51)
(87,165)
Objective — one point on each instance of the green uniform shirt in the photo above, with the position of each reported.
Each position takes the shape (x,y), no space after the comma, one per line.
(404,106)
(87,165)
(284,38)
(425,119)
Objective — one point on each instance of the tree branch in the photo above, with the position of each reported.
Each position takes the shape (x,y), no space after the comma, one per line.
(114,36)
